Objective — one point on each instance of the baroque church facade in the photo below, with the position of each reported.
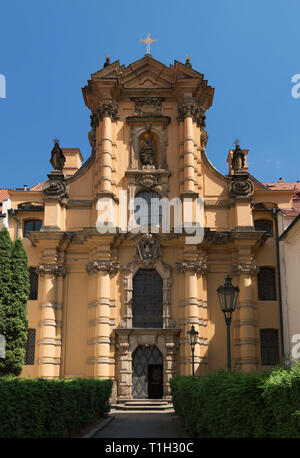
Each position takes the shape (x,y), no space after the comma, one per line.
(119,304)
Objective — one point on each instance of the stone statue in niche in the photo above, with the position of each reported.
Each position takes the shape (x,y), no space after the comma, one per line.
(238,159)
(147,152)
(57,157)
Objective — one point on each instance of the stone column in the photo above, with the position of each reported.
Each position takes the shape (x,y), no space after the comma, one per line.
(106,155)
(101,269)
(247,340)
(181,158)
(191,270)
(51,319)
(186,115)
(101,119)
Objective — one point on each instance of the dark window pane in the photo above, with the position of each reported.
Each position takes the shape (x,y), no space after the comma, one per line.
(34,278)
(269,347)
(147,300)
(154,214)
(266,284)
(30,348)
(264,225)
(32,225)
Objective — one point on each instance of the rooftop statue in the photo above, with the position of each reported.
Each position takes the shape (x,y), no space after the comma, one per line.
(57,157)
(238,159)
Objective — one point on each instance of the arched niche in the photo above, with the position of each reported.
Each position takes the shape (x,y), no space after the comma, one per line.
(137,137)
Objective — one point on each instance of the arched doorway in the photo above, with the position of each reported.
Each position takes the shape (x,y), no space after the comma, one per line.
(147,373)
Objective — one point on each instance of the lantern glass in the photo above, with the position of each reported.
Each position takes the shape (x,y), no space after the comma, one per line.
(228,295)
(192,336)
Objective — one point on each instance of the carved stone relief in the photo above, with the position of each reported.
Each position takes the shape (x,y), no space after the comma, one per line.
(103,265)
(198,266)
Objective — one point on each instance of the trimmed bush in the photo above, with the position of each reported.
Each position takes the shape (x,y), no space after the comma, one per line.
(240,405)
(282,402)
(51,408)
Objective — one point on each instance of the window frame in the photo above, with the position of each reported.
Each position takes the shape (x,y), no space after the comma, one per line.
(155,195)
(29,358)
(34,290)
(260,291)
(266,349)
(146,321)
(264,220)
(26,221)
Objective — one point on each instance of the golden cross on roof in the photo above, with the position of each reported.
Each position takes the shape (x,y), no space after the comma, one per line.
(148,41)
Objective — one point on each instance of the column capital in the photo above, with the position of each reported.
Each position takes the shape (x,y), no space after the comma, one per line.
(105,109)
(191,109)
(52,269)
(196,266)
(103,265)
(245,267)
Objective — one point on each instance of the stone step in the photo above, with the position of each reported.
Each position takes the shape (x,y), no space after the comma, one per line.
(143,404)
(146,402)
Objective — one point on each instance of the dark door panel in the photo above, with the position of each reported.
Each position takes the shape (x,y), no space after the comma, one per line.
(155,381)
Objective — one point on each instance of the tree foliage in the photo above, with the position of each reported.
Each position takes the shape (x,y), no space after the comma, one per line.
(14,291)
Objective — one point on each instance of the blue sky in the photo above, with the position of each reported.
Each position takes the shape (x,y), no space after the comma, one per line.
(247,50)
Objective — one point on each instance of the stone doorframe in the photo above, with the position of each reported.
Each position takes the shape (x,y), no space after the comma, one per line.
(127,341)
(164,271)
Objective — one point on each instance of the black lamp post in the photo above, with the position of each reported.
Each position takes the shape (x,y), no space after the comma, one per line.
(228,295)
(193,337)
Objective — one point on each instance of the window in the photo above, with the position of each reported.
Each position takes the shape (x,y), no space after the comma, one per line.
(269,347)
(34,279)
(147,300)
(32,225)
(264,225)
(266,284)
(148,214)
(30,348)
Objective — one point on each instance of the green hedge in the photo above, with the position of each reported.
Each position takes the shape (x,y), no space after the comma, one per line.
(240,405)
(50,408)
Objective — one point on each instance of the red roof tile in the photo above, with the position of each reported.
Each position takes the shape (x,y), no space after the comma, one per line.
(37,187)
(283,186)
(3,195)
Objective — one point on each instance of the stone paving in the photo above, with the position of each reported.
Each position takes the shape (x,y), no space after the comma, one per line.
(142,425)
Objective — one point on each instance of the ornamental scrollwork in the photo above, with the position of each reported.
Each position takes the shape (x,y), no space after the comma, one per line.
(153,104)
(103,265)
(55,188)
(147,249)
(193,110)
(249,268)
(196,266)
(51,269)
(105,109)
(240,185)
